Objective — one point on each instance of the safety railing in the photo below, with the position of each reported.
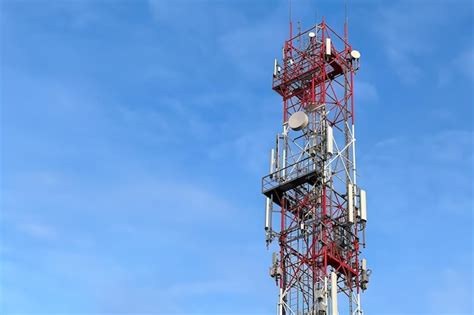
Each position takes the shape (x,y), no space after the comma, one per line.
(289,173)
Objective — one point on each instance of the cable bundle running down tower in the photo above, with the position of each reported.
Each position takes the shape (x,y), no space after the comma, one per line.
(314,208)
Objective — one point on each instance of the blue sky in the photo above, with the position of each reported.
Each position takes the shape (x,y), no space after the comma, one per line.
(134,135)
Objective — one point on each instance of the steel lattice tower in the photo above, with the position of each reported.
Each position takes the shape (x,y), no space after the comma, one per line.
(314,207)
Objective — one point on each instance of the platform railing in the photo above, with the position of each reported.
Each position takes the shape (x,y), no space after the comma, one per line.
(289,173)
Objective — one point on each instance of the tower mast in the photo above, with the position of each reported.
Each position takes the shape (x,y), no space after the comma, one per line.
(314,208)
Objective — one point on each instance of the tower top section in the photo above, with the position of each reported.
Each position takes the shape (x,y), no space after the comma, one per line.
(312,51)
(317,55)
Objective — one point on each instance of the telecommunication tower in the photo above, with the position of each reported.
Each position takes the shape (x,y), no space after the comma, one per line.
(314,207)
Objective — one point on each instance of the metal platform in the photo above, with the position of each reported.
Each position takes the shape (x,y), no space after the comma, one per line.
(277,183)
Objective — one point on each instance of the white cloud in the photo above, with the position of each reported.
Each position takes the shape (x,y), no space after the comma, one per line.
(425,167)
(365,92)
(253,48)
(465,63)
(394,28)
(249,148)
(39,231)
(410,33)
(206,287)
(459,67)
(453,293)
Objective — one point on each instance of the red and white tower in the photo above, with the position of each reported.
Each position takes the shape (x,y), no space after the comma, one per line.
(314,208)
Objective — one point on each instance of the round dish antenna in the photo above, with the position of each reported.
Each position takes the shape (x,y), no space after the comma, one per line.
(298,121)
(355,54)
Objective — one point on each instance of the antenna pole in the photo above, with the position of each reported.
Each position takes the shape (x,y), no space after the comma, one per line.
(290,19)
(345,21)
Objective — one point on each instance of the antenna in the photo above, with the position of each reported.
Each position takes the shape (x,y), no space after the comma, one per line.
(345,11)
(289,10)
(290,18)
(316,10)
(346,20)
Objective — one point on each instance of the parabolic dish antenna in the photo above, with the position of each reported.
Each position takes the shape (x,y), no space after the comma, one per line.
(355,54)
(298,121)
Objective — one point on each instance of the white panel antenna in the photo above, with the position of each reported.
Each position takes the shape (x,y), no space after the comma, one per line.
(328,47)
(334,308)
(350,202)
(363,206)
